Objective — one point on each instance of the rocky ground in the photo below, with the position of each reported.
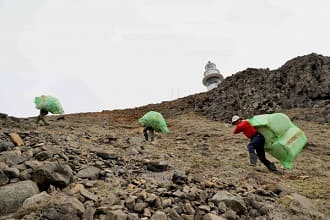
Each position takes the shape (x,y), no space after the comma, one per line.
(98,166)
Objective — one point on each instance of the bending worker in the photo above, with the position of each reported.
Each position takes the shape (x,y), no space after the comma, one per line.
(257,142)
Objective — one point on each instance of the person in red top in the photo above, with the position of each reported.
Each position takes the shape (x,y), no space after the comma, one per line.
(257,142)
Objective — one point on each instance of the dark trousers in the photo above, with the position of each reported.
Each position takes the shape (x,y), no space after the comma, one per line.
(151,131)
(42,116)
(257,145)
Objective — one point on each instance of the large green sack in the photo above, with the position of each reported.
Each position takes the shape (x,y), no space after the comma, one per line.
(154,120)
(283,139)
(49,103)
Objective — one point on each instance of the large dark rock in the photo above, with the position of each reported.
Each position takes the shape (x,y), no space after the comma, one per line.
(43,155)
(180,177)
(106,154)
(13,195)
(6,145)
(236,203)
(158,166)
(3,178)
(12,157)
(90,172)
(12,172)
(58,175)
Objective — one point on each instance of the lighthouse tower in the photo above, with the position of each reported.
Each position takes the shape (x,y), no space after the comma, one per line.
(212,77)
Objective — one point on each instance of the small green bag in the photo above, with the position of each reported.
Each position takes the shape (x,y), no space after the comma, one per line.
(49,103)
(154,120)
(283,139)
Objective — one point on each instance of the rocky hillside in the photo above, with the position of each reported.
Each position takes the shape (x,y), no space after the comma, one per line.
(97,165)
(302,82)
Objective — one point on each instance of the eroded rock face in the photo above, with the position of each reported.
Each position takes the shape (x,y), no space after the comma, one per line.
(301,82)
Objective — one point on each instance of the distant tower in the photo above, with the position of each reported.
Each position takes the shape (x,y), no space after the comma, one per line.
(212,77)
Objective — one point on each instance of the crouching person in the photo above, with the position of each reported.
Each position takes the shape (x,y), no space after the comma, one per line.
(257,141)
(153,121)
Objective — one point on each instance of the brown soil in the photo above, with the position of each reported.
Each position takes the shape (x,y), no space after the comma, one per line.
(209,149)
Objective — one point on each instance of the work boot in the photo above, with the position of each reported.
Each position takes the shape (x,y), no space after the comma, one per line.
(253,160)
(272,167)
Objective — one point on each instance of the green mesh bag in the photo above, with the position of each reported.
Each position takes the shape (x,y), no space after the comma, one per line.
(283,139)
(48,103)
(154,120)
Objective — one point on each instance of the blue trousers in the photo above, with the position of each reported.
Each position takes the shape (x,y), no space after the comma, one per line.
(257,145)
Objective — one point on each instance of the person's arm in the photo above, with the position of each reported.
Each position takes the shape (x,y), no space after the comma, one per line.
(238,128)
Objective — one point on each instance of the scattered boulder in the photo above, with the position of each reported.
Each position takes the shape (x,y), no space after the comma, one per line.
(52,173)
(64,200)
(106,154)
(3,178)
(79,188)
(13,195)
(16,139)
(236,203)
(57,212)
(6,145)
(12,157)
(302,205)
(26,174)
(157,166)
(12,172)
(34,164)
(180,177)
(90,172)
(159,215)
(36,201)
(43,155)
(173,214)
(3,166)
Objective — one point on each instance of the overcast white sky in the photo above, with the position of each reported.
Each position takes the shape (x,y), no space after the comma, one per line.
(111,54)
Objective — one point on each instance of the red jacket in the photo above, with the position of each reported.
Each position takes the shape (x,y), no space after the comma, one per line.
(245,127)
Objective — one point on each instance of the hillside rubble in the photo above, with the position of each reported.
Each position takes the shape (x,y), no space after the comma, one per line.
(302,82)
(98,166)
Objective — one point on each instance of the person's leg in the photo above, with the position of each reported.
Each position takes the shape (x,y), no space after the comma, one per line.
(43,114)
(262,157)
(145,133)
(260,140)
(252,154)
(152,134)
(39,116)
